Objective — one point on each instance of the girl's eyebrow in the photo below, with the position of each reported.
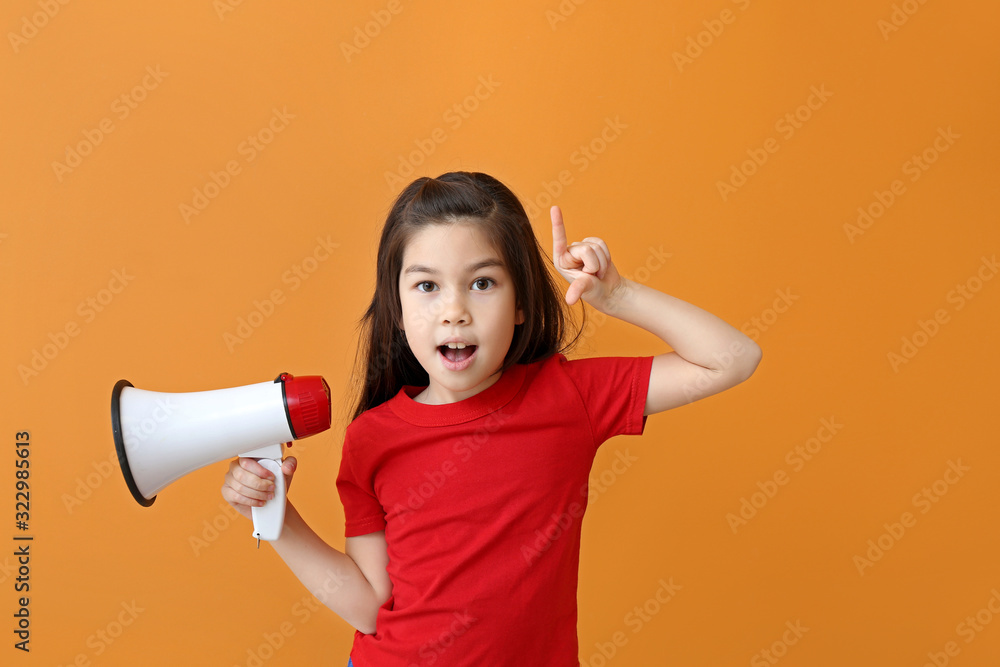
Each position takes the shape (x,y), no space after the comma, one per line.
(471,268)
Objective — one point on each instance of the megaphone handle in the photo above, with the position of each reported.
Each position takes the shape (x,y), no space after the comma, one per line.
(268,519)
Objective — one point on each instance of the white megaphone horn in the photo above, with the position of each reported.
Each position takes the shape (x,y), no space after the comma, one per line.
(160,437)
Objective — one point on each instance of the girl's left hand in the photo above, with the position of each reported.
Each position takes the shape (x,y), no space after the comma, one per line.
(586,265)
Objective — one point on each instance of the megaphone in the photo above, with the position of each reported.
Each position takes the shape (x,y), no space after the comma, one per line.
(160,437)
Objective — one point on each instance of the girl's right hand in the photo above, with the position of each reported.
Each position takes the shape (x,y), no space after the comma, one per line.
(248,484)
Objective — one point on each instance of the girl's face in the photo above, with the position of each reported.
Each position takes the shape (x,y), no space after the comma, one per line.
(454,287)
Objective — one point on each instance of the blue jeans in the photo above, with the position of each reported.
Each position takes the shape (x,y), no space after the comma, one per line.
(349,663)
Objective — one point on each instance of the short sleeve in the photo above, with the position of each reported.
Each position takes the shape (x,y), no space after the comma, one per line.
(363,513)
(614,391)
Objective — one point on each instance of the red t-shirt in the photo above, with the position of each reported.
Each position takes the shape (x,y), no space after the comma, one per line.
(481,501)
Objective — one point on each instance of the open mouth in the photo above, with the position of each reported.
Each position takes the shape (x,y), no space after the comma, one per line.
(456,355)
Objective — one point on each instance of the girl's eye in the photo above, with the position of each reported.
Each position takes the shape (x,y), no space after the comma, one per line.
(426,282)
(484,280)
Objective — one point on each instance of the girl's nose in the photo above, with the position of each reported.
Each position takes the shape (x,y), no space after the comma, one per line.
(455,311)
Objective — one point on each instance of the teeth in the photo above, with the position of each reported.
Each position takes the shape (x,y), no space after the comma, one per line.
(456,346)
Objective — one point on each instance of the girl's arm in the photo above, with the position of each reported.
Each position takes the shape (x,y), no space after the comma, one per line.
(709,355)
(353,584)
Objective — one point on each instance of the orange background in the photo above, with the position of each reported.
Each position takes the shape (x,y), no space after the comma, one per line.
(694,90)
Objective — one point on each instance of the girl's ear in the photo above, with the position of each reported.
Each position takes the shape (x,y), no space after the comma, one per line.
(519,319)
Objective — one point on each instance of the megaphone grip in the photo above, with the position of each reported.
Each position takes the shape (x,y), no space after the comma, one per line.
(269,519)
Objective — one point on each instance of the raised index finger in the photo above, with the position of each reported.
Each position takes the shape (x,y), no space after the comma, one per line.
(558,233)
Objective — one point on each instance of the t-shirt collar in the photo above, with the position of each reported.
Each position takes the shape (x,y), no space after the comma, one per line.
(488,400)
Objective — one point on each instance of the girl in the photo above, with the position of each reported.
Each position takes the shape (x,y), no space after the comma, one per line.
(464,473)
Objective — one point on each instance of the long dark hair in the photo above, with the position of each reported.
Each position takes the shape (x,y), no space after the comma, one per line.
(384,362)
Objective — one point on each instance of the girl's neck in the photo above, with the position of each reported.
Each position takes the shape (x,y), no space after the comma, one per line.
(430,397)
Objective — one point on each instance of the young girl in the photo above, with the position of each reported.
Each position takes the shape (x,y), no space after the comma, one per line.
(464,473)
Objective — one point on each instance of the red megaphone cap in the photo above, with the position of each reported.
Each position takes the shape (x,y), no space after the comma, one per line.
(307,404)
